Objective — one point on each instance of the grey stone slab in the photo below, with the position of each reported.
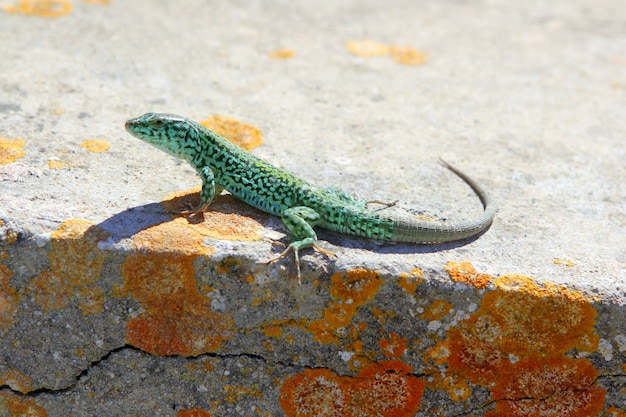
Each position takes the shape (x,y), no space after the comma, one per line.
(128,312)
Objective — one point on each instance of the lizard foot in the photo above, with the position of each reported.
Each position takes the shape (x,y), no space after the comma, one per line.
(382,203)
(295,249)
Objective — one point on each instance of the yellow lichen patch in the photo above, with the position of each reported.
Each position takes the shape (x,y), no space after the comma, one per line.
(386,389)
(437,310)
(227,218)
(382,315)
(367,48)
(235,393)
(8,300)
(11,150)
(16,380)
(102,2)
(11,236)
(393,347)
(19,405)
(96,145)
(193,412)
(440,352)
(176,319)
(548,387)
(349,291)
(409,282)
(244,135)
(456,386)
(565,262)
(56,164)
(75,267)
(90,300)
(284,53)
(466,273)
(407,55)
(45,8)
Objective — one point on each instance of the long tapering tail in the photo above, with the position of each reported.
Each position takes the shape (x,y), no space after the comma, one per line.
(419,231)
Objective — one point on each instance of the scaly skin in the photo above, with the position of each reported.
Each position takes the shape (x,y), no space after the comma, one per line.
(301,205)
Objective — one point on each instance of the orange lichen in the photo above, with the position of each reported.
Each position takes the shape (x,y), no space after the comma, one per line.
(407,55)
(274,331)
(45,8)
(16,380)
(103,2)
(8,299)
(546,321)
(409,282)
(177,319)
(383,389)
(466,273)
(312,393)
(56,164)
(515,345)
(284,53)
(614,412)
(20,405)
(75,267)
(367,48)
(548,387)
(393,347)
(244,135)
(349,290)
(11,150)
(172,237)
(96,145)
(357,286)
(193,412)
(518,323)
(336,316)
(227,218)
(437,310)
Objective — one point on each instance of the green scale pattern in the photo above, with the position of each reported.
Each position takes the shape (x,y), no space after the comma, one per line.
(301,205)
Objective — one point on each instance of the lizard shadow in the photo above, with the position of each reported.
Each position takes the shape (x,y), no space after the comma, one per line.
(127,223)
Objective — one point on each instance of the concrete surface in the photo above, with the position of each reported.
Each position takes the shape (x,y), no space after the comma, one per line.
(108,306)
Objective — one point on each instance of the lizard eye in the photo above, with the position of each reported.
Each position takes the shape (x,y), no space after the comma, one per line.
(158,122)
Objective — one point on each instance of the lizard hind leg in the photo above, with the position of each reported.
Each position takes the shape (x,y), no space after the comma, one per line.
(300,221)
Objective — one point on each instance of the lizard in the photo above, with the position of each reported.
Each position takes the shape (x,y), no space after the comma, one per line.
(300,204)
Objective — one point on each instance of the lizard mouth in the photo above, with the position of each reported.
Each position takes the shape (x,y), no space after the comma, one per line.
(130,123)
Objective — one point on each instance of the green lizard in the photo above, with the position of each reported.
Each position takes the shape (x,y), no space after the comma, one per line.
(301,205)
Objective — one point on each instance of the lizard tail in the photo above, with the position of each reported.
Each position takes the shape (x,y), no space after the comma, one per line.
(419,231)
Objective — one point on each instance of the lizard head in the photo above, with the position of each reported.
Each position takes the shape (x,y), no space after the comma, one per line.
(168,132)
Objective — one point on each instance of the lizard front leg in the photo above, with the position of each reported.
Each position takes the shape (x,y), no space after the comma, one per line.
(300,221)
(209,188)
